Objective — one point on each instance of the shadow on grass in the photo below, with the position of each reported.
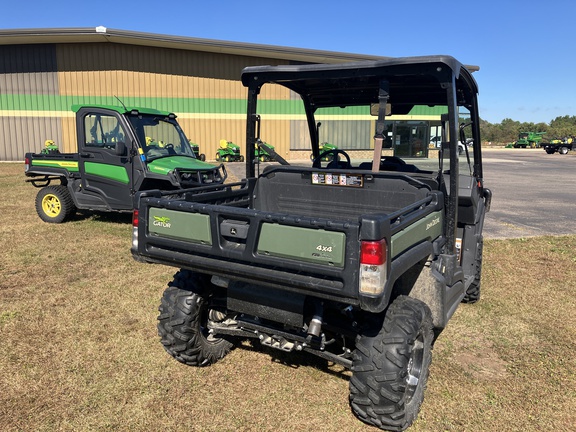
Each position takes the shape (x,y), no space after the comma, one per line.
(113,217)
(296,359)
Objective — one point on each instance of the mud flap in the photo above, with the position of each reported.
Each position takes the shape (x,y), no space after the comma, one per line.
(441,286)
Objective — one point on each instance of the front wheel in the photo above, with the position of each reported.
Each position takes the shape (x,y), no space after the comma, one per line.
(563,150)
(54,204)
(184,320)
(390,367)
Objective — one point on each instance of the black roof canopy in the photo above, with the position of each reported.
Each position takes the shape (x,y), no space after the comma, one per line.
(412,81)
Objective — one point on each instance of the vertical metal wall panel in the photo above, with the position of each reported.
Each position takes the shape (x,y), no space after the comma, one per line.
(347,134)
(299,135)
(19,135)
(69,144)
(28,111)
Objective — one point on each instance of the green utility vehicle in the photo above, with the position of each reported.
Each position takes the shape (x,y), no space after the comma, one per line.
(360,262)
(196,151)
(121,151)
(562,146)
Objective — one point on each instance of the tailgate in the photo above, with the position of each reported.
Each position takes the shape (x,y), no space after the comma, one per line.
(295,253)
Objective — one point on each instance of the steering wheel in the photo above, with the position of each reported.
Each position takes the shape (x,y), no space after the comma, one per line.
(334,163)
(170,148)
(391,163)
(392,160)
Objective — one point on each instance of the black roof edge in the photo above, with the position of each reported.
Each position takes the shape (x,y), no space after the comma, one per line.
(270,72)
(103,34)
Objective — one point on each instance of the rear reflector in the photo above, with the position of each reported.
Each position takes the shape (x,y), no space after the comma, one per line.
(135,218)
(135,230)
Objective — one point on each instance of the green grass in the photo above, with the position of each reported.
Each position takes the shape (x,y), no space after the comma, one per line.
(79,349)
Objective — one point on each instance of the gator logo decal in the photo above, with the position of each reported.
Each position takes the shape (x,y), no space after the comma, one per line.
(162,221)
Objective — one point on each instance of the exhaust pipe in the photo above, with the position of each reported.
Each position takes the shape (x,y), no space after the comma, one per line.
(315,326)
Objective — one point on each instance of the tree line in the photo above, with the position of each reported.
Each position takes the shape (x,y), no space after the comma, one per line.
(507,131)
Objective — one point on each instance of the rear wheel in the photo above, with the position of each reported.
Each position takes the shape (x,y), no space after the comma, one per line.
(390,369)
(54,204)
(563,150)
(184,320)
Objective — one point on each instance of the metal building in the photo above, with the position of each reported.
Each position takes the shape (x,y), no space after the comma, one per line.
(43,72)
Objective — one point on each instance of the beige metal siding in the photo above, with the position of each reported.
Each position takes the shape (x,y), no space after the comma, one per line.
(19,135)
(27,81)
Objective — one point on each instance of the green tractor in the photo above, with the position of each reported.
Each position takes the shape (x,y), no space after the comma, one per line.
(228,152)
(261,152)
(528,140)
(327,148)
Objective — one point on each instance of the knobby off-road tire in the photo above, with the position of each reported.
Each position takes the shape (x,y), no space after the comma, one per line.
(473,292)
(390,367)
(563,150)
(54,204)
(183,322)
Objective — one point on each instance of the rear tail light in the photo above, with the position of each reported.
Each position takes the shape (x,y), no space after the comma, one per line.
(26,164)
(373,266)
(135,218)
(135,229)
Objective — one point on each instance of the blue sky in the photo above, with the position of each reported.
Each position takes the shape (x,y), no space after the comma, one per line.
(525,50)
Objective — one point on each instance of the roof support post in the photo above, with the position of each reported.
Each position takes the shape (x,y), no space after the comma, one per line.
(251,120)
(452,202)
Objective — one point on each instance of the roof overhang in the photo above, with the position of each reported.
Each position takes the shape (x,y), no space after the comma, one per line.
(103,34)
(409,81)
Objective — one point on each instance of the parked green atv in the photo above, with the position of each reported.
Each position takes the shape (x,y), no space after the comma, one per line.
(119,152)
(196,151)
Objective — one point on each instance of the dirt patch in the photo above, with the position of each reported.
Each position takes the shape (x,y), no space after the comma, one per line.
(484,365)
